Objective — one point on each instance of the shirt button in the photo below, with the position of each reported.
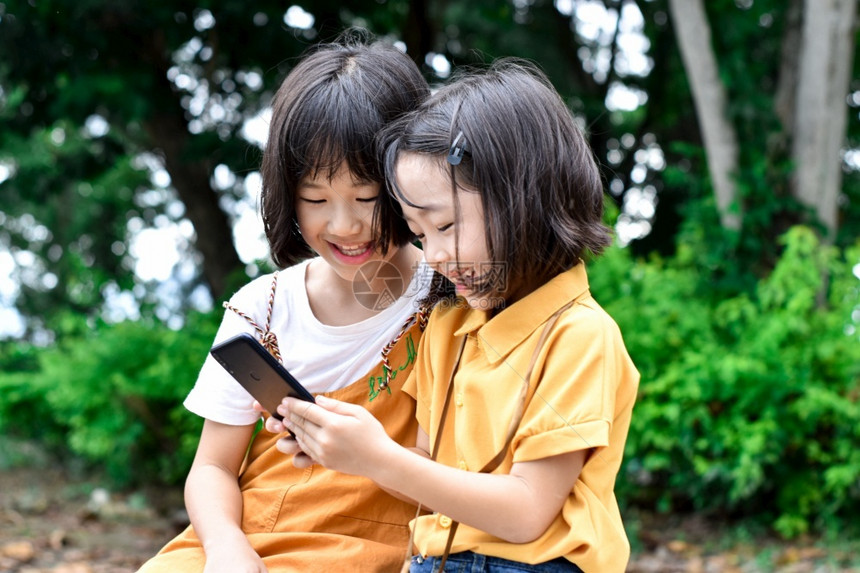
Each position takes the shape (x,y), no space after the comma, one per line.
(459,399)
(444,521)
(462,465)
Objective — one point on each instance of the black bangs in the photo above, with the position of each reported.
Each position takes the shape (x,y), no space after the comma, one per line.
(325,116)
(330,133)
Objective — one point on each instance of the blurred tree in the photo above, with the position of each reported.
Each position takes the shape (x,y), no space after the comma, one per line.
(775,90)
(118,116)
(92,89)
(721,142)
(96,97)
(812,83)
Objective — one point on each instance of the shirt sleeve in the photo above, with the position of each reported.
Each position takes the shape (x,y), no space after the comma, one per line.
(216,395)
(573,404)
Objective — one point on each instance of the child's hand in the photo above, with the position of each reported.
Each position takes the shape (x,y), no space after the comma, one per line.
(272,424)
(228,557)
(290,446)
(340,436)
(287,444)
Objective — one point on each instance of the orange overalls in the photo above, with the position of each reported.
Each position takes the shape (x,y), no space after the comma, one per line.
(318,519)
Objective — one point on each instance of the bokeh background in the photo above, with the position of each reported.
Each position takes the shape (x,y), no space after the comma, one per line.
(727,131)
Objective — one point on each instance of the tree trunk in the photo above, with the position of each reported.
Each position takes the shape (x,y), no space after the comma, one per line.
(190,178)
(709,97)
(418,32)
(786,91)
(821,112)
(189,174)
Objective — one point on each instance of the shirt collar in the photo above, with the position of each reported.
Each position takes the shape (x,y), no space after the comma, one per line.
(503,332)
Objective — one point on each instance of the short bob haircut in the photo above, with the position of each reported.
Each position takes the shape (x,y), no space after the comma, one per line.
(328,111)
(520,148)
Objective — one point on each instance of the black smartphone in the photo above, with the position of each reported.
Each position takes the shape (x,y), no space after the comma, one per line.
(258,372)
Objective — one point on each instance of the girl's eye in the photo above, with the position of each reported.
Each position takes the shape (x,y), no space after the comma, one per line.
(312,201)
(444,228)
(368,199)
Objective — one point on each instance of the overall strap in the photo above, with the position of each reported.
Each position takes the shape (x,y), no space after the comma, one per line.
(267,337)
(420,316)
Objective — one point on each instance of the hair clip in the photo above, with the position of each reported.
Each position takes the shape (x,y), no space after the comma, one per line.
(455,154)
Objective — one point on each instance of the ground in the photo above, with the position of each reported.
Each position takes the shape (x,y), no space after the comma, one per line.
(52,523)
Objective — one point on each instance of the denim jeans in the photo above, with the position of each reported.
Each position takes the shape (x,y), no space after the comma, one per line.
(469,562)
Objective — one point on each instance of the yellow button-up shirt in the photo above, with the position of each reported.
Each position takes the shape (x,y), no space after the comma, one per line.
(580,396)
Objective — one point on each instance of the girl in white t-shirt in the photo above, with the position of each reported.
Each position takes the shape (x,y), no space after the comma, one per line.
(344,317)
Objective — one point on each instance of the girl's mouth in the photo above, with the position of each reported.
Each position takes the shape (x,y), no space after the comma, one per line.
(353,253)
(463,281)
(353,250)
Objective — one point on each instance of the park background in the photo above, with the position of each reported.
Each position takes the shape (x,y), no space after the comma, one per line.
(728,134)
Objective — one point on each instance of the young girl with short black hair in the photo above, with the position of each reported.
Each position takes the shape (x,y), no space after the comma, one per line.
(523,384)
(343,328)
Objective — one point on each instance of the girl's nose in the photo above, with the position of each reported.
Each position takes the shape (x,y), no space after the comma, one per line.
(436,255)
(346,220)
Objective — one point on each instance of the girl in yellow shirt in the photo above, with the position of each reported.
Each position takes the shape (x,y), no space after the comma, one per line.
(524,388)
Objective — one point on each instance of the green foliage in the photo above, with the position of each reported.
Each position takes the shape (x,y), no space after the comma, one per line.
(748,404)
(748,347)
(76,230)
(112,396)
(22,406)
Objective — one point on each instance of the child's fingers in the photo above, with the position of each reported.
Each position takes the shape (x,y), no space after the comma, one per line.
(274,426)
(302,461)
(338,407)
(301,427)
(318,412)
(288,445)
(298,414)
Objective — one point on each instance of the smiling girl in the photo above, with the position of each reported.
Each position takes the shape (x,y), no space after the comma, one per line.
(251,508)
(524,387)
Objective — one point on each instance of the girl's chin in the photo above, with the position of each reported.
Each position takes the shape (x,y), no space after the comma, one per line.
(480,302)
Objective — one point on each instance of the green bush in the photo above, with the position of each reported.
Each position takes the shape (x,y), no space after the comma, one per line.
(23,411)
(113,397)
(747,405)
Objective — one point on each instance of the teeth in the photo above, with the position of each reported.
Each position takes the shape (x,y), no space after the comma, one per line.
(352,251)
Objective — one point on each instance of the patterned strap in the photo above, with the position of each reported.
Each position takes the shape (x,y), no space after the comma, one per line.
(270,341)
(267,337)
(421,317)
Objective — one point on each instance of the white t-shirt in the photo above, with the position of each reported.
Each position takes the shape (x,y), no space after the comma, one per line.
(322,357)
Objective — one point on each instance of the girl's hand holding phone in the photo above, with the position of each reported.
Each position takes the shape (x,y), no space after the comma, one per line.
(338,435)
(287,444)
